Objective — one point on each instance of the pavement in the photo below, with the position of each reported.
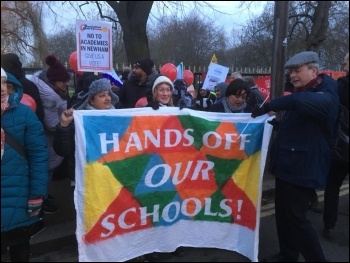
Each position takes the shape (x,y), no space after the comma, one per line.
(57,242)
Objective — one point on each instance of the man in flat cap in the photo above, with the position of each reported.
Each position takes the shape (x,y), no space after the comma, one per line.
(137,84)
(300,154)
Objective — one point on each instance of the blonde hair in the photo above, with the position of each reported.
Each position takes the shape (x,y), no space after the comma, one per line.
(170,103)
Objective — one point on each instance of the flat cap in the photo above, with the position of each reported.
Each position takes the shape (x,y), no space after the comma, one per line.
(302,58)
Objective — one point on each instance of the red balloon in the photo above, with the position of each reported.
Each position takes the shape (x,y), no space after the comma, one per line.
(142,102)
(188,77)
(73,62)
(29,101)
(169,70)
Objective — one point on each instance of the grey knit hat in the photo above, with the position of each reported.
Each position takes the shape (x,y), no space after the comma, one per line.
(222,86)
(98,86)
(302,58)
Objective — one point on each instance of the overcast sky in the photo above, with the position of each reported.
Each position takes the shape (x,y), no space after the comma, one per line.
(238,16)
(235,18)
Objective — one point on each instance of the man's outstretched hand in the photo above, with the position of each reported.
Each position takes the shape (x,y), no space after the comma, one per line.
(258,111)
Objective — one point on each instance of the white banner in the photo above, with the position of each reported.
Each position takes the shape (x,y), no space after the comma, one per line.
(153,180)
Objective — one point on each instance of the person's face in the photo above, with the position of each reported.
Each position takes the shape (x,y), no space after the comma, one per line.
(346,63)
(238,99)
(203,92)
(218,92)
(300,76)
(4,92)
(62,85)
(233,77)
(138,73)
(163,93)
(101,100)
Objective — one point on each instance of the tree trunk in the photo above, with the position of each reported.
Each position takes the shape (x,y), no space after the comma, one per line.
(319,26)
(279,48)
(133,16)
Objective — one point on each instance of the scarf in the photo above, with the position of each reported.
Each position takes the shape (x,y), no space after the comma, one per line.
(62,93)
(311,85)
(229,108)
(4,106)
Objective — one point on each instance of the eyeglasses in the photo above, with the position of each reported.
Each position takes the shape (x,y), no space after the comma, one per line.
(164,90)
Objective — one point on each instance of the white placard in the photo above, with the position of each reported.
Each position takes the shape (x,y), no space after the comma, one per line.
(94,46)
(216,74)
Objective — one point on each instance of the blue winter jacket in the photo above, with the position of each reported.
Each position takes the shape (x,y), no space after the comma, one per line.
(22,178)
(301,151)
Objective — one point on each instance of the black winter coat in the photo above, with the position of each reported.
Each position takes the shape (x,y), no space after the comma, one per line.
(341,148)
(301,151)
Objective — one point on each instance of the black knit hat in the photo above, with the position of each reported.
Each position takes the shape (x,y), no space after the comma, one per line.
(56,70)
(145,64)
(11,63)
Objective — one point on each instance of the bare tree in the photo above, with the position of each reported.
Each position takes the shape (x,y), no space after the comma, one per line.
(22,28)
(191,40)
(132,33)
(321,26)
(133,17)
(63,43)
(255,47)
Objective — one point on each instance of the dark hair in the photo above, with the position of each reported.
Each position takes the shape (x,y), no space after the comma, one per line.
(85,80)
(235,87)
(288,86)
(249,81)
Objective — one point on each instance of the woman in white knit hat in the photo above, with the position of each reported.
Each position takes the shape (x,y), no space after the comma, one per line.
(162,91)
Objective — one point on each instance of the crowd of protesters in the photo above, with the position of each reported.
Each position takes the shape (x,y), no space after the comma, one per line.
(301,152)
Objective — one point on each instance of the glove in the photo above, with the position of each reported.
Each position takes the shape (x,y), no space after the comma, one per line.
(258,111)
(34,206)
(182,104)
(154,105)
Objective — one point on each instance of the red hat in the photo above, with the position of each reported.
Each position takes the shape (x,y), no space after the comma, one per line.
(56,70)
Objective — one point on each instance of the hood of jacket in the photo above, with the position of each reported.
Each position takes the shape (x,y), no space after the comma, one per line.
(16,96)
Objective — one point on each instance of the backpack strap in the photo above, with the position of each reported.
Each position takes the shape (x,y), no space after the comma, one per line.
(15,144)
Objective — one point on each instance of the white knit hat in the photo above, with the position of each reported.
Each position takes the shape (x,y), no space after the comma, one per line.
(162,79)
(3,73)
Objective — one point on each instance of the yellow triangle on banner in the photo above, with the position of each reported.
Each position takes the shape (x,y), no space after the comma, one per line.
(214,59)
